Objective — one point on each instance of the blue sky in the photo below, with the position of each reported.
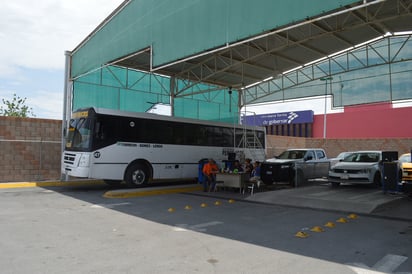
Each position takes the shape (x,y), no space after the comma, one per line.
(34,36)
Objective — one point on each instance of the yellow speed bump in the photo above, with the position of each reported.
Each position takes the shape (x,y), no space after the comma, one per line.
(188,207)
(218,203)
(342,220)
(231,201)
(302,234)
(330,225)
(171,209)
(353,216)
(317,229)
(203,205)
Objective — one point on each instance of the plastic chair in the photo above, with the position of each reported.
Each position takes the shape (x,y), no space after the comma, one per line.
(251,186)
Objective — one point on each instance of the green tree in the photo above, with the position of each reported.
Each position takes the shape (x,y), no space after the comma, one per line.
(16,107)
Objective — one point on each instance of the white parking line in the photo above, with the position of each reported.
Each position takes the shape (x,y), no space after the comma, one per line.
(108,205)
(199,227)
(388,264)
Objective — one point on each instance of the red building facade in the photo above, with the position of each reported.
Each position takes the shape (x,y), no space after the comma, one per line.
(365,121)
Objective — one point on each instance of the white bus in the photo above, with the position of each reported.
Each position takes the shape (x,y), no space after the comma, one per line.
(139,148)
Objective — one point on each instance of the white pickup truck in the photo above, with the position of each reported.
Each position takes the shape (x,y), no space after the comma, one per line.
(295,166)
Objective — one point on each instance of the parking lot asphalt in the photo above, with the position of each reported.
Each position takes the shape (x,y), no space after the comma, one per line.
(318,196)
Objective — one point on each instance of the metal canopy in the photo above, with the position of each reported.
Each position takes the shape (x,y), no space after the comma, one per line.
(272,53)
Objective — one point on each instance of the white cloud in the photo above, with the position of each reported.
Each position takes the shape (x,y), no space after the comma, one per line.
(50,108)
(45,104)
(35,34)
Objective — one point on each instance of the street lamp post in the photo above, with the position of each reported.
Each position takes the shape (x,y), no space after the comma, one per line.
(330,78)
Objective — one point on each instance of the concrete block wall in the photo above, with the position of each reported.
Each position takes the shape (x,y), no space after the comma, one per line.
(277,144)
(30,149)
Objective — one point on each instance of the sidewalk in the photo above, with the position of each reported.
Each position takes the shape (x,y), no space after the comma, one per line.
(323,197)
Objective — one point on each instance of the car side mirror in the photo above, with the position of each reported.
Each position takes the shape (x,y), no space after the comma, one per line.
(309,157)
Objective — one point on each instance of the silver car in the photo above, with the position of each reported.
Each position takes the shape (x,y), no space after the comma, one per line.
(360,167)
(340,157)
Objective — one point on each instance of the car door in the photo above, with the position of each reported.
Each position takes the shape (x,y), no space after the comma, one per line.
(308,165)
(322,165)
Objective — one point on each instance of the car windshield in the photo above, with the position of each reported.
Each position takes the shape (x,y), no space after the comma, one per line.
(343,155)
(79,134)
(362,157)
(406,158)
(292,154)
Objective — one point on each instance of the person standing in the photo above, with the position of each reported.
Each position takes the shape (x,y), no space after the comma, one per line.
(248,166)
(255,174)
(209,170)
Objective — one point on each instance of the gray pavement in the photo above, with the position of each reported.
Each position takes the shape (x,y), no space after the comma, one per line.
(57,228)
(346,198)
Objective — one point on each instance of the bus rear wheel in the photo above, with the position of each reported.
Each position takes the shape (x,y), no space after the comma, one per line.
(137,175)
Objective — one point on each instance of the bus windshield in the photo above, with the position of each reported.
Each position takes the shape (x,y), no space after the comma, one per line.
(79,137)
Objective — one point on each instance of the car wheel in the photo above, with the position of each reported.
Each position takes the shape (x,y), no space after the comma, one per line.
(137,175)
(400,174)
(268,183)
(377,180)
(300,179)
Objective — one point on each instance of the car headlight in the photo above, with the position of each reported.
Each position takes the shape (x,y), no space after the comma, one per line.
(364,171)
(84,160)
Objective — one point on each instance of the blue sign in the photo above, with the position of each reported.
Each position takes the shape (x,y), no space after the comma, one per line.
(292,117)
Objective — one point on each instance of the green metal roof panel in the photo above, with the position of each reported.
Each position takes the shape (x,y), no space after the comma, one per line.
(177,29)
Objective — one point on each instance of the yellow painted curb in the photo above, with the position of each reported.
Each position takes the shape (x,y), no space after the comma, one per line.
(49,183)
(149,192)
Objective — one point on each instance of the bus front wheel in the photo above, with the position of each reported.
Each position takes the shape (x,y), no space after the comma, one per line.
(137,175)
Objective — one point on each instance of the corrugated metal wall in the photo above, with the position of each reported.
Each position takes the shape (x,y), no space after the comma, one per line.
(175,29)
(179,28)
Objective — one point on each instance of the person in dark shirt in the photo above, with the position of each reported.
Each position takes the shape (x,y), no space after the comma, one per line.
(236,167)
(248,166)
(255,174)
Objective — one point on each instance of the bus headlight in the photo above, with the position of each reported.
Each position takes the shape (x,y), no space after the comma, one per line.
(84,160)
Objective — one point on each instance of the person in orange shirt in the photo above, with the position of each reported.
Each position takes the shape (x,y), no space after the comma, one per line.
(209,170)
